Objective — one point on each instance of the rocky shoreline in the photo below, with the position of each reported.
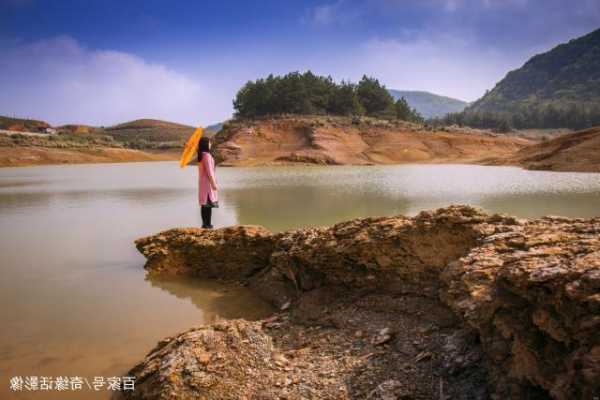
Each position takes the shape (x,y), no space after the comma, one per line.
(450,304)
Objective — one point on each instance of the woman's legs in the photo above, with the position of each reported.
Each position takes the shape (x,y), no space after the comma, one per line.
(209,217)
(203,214)
(206,213)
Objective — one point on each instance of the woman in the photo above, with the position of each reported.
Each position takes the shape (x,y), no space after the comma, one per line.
(207,185)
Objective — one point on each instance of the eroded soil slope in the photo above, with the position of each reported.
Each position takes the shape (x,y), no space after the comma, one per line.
(337,140)
(578,152)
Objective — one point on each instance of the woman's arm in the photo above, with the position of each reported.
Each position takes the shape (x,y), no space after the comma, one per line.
(208,164)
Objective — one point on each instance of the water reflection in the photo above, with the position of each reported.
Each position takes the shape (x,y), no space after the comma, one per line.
(214,300)
(532,205)
(9,183)
(10,201)
(289,207)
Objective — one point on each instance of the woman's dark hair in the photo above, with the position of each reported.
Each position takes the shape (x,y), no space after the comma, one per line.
(203,147)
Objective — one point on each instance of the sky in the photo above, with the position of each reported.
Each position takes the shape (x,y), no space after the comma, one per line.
(102,62)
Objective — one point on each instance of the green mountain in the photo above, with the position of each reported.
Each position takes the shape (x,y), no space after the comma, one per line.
(559,88)
(429,105)
(214,127)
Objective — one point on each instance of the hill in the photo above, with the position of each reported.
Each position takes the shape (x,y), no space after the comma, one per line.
(559,88)
(309,94)
(211,130)
(26,148)
(342,140)
(214,127)
(22,125)
(150,133)
(140,140)
(429,105)
(78,129)
(578,152)
(149,124)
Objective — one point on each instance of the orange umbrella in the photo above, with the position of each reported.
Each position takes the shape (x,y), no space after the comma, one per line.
(190,147)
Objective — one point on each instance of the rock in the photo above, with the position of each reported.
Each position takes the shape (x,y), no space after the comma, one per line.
(177,369)
(385,332)
(391,390)
(230,253)
(513,302)
(384,336)
(379,340)
(285,305)
(527,305)
(423,356)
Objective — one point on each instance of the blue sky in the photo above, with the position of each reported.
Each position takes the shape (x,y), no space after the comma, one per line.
(104,62)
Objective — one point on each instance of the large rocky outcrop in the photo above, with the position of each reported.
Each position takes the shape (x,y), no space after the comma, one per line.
(448,304)
(533,295)
(229,253)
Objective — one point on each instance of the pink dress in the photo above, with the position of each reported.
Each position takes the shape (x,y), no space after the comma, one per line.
(206,168)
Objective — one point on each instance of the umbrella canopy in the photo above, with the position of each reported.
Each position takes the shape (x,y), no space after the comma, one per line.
(190,147)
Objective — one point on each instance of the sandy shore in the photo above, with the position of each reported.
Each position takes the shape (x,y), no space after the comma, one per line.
(27,156)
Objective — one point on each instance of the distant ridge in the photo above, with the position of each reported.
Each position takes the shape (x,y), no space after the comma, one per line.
(429,105)
(556,89)
(211,130)
(148,124)
(23,125)
(150,130)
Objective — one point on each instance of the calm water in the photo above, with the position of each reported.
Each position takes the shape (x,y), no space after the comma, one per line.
(74,297)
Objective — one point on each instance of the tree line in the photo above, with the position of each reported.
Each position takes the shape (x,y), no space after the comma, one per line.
(310,94)
(574,116)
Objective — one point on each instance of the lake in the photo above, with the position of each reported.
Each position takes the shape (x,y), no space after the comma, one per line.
(75,298)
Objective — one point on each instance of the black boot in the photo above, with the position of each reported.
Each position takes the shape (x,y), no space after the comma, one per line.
(206,214)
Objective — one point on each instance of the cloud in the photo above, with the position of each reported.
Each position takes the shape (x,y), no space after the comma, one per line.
(339,12)
(325,14)
(452,5)
(442,64)
(61,81)
(459,48)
